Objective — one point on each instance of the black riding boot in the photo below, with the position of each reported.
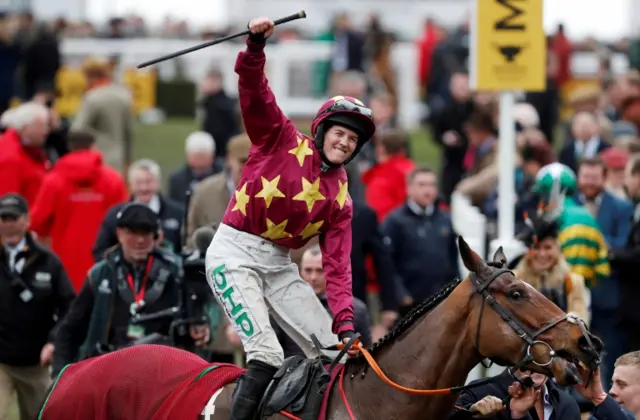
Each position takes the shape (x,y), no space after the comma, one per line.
(250,389)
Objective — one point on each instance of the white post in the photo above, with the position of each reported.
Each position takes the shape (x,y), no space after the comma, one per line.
(506,167)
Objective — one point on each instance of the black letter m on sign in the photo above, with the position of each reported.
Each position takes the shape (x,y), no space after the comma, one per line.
(507,23)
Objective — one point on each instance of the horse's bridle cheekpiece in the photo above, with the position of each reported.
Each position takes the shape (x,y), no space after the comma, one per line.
(531,338)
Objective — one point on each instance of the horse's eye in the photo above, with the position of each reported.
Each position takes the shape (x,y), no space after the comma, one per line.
(515,294)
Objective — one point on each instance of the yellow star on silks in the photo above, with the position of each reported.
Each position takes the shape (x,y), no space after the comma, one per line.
(310,193)
(302,150)
(242,199)
(312,229)
(275,232)
(270,190)
(343,193)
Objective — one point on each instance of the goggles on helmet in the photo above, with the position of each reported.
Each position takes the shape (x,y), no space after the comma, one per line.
(346,105)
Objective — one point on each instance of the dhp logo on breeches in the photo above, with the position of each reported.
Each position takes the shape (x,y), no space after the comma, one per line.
(230,299)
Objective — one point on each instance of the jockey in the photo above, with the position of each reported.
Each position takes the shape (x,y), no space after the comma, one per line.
(580,239)
(292,189)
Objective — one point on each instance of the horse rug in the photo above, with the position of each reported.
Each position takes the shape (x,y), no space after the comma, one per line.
(154,382)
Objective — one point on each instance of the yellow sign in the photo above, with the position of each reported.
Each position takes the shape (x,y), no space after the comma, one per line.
(71,86)
(508,45)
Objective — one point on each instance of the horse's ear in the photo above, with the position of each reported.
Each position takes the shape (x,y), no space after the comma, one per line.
(499,257)
(471,260)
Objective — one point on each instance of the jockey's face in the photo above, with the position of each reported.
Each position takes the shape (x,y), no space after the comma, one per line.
(339,144)
(626,387)
(136,245)
(13,228)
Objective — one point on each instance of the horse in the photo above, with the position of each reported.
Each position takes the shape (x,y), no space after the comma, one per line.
(415,371)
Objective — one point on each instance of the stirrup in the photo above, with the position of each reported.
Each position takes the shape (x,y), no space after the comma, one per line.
(335,347)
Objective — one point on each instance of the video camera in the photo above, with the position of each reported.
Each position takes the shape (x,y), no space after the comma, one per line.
(195,294)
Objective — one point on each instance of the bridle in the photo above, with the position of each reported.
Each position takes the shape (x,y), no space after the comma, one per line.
(530,338)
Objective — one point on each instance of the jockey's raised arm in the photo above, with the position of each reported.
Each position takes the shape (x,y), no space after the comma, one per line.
(263,119)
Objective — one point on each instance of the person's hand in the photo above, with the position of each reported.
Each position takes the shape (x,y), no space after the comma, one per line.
(353,350)
(388,318)
(489,406)
(593,391)
(451,138)
(233,336)
(261,25)
(407,301)
(46,354)
(200,334)
(522,399)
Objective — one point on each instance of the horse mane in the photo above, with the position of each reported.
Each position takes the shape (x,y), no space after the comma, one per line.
(415,314)
(408,320)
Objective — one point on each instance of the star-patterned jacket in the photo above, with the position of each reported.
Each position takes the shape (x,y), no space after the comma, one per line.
(283,195)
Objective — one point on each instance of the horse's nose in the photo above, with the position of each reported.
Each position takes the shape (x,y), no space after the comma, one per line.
(596,343)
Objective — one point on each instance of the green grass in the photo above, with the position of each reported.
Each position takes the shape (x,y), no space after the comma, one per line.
(164,143)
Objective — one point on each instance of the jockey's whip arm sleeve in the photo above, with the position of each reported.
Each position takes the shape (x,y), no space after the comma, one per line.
(300,15)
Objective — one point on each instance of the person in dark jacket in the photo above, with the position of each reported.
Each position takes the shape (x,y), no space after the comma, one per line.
(220,113)
(9,61)
(312,272)
(144,183)
(626,259)
(35,293)
(544,400)
(369,241)
(422,240)
(448,133)
(135,277)
(200,151)
(40,55)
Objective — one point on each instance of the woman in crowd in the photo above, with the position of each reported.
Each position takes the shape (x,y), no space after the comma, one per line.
(545,268)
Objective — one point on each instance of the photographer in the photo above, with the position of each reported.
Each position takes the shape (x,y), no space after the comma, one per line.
(134,278)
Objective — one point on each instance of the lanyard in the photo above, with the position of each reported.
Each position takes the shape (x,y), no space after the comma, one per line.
(139,295)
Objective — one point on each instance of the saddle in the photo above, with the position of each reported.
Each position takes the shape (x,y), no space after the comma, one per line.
(300,384)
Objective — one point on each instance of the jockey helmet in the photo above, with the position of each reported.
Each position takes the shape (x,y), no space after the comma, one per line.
(555,172)
(347,112)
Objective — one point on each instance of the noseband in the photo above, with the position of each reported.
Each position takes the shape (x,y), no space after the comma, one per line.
(530,337)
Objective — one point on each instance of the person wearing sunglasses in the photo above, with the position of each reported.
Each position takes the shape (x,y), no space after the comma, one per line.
(292,188)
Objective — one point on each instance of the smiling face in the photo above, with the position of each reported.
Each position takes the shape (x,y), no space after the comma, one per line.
(339,144)
(626,382)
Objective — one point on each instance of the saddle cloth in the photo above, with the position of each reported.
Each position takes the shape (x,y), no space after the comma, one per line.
(146,382)
(154,382)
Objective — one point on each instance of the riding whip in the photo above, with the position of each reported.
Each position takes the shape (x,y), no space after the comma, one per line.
(300,15)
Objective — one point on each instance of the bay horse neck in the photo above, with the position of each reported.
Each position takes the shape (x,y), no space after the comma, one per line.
(434,351)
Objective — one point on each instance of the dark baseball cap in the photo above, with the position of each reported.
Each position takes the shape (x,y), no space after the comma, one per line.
(13,205)
(138,216)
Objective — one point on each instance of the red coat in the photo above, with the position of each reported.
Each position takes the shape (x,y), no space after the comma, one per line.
(386,184)
(21,168)
(71,205)
(283,195)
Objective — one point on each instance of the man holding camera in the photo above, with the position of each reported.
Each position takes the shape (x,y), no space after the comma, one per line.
(135,278)
(34,293)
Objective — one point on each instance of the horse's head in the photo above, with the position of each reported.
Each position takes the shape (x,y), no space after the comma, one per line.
(515,325)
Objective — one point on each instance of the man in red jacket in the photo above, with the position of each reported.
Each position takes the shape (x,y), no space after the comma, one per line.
(73,201)
(23,161)
(386,182)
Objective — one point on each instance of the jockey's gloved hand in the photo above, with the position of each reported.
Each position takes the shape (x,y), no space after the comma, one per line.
(345,337)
